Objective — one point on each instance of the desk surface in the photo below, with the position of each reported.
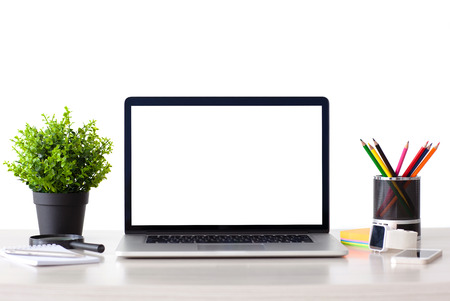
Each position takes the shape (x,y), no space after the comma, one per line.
(359,274)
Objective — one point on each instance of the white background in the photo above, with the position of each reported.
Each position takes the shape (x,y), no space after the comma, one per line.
(384,65)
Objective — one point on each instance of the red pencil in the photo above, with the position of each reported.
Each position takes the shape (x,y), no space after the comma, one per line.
(421,165)
(425,160)
(411,165)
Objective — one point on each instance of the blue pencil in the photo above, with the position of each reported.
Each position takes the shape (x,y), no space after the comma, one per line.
(420,159)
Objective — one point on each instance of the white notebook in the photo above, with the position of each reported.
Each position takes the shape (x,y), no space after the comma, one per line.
(35,255)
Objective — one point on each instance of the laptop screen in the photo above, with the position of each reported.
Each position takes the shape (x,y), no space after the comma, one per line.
(225,162)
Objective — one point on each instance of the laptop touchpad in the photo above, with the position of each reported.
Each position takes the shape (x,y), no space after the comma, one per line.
(230,247)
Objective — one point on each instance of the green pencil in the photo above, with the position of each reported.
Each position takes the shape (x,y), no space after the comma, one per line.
(373,159)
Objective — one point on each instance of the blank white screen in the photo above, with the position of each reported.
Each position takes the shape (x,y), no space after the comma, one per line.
(226,165)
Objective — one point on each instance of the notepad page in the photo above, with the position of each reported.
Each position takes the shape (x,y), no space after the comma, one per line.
(46,260)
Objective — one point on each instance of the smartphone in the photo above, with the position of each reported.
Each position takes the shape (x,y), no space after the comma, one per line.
(416,256)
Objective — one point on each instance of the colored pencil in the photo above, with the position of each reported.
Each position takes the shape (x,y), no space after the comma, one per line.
(402,158)
(380,169)
(397,191)
(375,154)
(397,172)
(425,152)
(422,164)
(411,165)
(383,156)
(389,205)
(418,169)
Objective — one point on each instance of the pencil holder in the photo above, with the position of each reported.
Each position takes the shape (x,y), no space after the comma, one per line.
(396,202)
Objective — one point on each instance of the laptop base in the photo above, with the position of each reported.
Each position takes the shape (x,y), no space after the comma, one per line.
(324,245)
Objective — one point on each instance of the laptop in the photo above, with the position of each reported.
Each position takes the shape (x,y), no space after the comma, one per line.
(227,177)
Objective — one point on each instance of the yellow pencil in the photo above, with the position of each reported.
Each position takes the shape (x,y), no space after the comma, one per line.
(375,154)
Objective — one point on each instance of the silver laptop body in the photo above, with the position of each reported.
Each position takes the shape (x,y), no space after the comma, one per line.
(227,177)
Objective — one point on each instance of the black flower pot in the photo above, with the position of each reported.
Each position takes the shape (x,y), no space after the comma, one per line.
(61,213)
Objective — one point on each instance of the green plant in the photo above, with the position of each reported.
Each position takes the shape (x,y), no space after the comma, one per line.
(58,159)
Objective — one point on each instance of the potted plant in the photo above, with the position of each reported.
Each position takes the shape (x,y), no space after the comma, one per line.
(60,165)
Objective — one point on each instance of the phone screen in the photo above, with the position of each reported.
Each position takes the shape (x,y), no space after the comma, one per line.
(417,253)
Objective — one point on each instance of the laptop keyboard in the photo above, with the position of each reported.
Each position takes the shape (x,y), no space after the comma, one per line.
(260,238)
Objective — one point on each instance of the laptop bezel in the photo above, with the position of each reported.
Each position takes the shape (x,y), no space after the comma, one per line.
(228,101)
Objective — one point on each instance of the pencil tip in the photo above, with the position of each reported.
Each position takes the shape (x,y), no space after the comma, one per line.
(437,145)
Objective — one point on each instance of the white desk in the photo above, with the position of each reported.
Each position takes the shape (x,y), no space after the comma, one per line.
(360,275)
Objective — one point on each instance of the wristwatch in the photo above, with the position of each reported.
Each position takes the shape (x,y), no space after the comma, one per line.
(383,238)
